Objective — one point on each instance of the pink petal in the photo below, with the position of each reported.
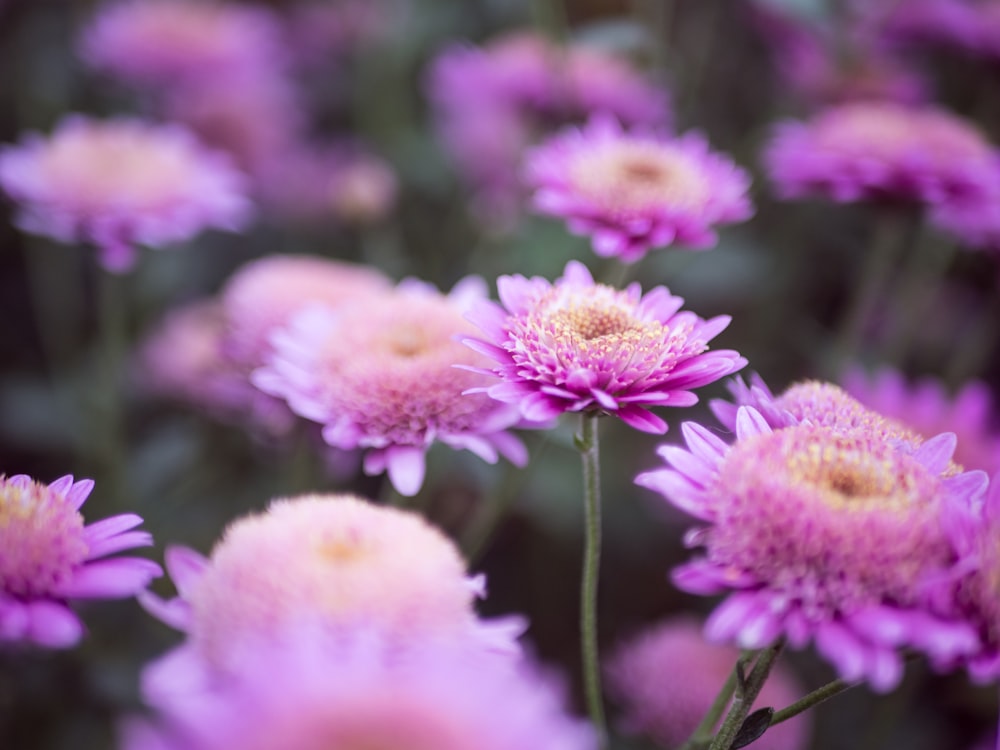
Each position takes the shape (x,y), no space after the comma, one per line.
(115,578)
(185,567)
(52,624)
(128,540)
(406,466)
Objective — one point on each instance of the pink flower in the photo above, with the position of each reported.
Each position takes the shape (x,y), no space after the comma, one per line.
(380,375)
(48,556)
(881,151)
(632,192)
(667,676)
(121,183)
(580,346)
(822,534)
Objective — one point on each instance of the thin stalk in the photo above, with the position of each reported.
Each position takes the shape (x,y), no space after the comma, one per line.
(702,734)
(746,694)
(590,454)
(814,698)
(112,332)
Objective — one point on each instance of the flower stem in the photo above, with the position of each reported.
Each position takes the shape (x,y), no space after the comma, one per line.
(590,454)
(111,294)
(814,698)
(746,693)
(702,734)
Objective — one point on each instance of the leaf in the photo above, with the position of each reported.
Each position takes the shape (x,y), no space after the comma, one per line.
(753,727)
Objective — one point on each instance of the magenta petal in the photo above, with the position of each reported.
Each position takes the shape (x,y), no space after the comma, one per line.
(173,612)
(53,625)
(641,419)
(128,540)
(13,619)
(730,617)
(118,577)
(839,647)
(406,466)
(100,530)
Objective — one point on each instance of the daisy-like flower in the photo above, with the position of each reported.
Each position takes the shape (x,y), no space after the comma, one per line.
(632,192)
(48,556)
(121,183)
(822,535)
(668,675)
(379,374)
(576,345)
(881,151)
(360,692)
(171,42)
(336,563)
(925,406)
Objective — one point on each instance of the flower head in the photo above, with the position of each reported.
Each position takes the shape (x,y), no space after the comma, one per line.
(335,563)
(667,676)
(580,346)
(48,555)
(823,534)
(632,192)
(380,375)
(881,150)
(121,183)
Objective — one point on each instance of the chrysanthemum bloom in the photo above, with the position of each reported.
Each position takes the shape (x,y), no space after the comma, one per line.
(881,151)
(48,556)
(926,407)
(821,535)
(263,295)
(580,346)
(667,676)
(361,693)
(121,183)
(632,192)
(332,562)
(380,374)
(170,42)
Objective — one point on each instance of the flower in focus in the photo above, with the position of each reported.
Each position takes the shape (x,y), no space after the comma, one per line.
(121,183)
(667,676)
(580,346)
(824,535)
(882,151)
(379,373)
(632,192)
(47,556)
(925,407)
(170,42)
(335,563)
(312,693)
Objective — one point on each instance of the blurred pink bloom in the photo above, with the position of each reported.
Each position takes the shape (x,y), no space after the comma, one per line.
(362,189)
(973,221)
(822,534)
(121,183)
(580,346)
(881,151)
(667,676)
(631,192)
(968,26)
(48,556)
(380,374)
(320,32)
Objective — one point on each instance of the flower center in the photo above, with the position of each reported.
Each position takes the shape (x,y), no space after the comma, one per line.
(591,321)
(41,538)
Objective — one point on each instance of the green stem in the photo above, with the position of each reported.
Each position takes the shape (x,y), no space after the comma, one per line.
(814,698)
(746,694)
(590,454)
(702,734)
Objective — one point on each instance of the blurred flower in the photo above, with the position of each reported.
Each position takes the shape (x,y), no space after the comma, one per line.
(960,25)
(334,563)
(973,221)
(320,31)
(360,692)
(632,192)
(667,677)
(822,535)
(580,346)
(881,151)
(47,556)
(380,375)
(170,42)
(120,183)
(362,189)
(926,407)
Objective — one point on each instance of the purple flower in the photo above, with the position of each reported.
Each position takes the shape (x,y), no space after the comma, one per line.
(632,192)
(48,556)
(822,534)
(881,151)
(121,183)
(379,374)
(580,346)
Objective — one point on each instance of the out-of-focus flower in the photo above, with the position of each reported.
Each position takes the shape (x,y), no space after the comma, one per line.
(926,407)
(667,677)
(969,27)
(632,192)
(121,183)
(171,42)
(335,563)
(48,556)
(576,345)
(362,189)
(380,375)
(319,31)
(822,535)
(361,692)
(881,151)
(974,221)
